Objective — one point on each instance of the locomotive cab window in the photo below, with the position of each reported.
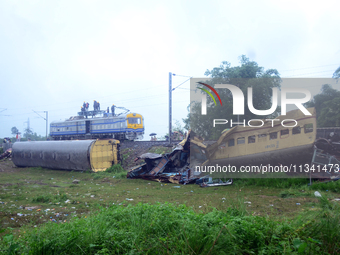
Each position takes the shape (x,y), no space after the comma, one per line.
(134,120)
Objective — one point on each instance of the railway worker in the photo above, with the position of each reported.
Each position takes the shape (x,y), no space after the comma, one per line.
(95,105)
(113,110)
(87,106)
(98,106)
(84,105)
(108,110)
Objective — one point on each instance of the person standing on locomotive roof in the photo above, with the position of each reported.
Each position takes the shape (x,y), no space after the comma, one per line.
(94,105)
(87,106)
(113,110)
(98,106)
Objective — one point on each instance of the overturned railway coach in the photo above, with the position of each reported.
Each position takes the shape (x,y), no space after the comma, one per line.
(81,155)
(266,144)
(123,127)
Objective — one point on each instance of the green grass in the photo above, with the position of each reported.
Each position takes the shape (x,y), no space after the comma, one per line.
(284,213)
(160,149)
(170,229)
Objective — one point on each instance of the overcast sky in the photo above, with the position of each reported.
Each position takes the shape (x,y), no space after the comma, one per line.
(54,55)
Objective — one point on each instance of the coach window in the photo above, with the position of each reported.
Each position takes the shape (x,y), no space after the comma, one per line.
(231,142)
(308,128)
(284,133)
(273,136)
(262,137)
(241,140)
(251,139)
(296,130)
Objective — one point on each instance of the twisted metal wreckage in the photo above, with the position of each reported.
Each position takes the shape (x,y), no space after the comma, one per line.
(175,167)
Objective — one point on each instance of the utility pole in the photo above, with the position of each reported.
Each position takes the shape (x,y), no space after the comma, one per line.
(46,119)
(46,123)
(170,106)
(28,129)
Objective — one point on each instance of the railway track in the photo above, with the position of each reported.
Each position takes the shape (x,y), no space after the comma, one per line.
(149,143)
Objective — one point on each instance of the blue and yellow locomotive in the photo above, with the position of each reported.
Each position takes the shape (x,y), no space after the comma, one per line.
(128,126)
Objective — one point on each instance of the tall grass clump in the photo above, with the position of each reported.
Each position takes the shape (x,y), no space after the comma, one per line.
(49,198)
(170,229)
(327,186)
(320,229)
(272,182)
(117,170)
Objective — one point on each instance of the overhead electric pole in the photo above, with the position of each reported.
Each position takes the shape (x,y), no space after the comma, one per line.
(170,106)
(46,124)
(46,119)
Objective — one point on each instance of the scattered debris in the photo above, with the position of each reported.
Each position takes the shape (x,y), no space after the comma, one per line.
(6,154)
(317,194)
(31,208)
(75,181)
(214,183)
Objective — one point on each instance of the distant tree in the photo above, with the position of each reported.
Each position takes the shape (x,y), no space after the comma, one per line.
(327,106)
(14,130)
(248,74)
(177,127)
(186,121)
(36,137)
(28,132)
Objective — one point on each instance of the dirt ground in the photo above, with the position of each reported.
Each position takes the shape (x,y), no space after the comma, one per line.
(7,166)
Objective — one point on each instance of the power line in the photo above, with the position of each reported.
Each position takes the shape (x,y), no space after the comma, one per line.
(309,67)
(181,75)
(308,73)
(181,83)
